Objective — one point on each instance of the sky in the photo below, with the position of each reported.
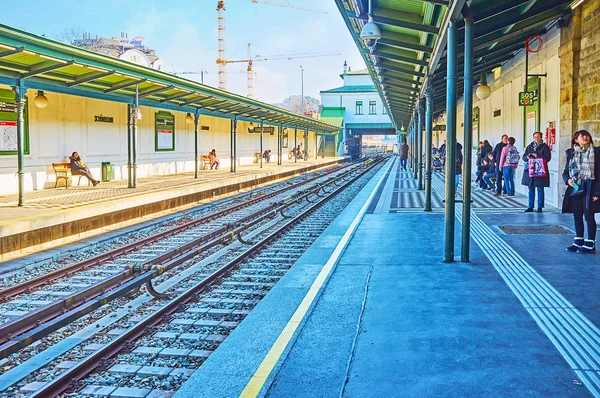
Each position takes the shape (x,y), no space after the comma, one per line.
(184,34)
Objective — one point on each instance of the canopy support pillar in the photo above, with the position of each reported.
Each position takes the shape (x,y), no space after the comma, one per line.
(196,160)
(450,210)
(262,128)
(20,93)
(420,144)
(134,133)
(295,144)
(428,142)
(129,155)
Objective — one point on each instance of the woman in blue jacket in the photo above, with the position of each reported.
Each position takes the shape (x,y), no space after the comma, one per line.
(582,198)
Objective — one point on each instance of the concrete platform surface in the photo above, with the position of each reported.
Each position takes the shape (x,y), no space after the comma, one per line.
(391,319)
(49,215)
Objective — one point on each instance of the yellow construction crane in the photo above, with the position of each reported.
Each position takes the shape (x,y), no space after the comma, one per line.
(222,57)
(250,60)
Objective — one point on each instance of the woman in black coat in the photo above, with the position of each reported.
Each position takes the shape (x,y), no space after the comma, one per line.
(537,149)
(582,198)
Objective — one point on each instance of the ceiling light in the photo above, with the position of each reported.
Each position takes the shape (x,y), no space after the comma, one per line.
(40,100)
(189,119)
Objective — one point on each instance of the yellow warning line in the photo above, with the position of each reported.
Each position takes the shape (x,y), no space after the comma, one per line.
(259,378)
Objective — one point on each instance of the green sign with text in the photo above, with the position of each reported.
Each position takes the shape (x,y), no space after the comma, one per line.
(526,98)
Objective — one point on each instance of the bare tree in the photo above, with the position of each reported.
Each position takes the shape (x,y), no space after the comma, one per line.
(70,35)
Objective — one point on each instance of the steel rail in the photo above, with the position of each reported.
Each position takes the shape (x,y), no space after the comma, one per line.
(99,259)
(86,366)
(150,268)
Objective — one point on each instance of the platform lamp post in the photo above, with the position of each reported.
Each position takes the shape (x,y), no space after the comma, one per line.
(20,93)
(235,156)
(305,144)
(450,210)
(468,135)
(428,142)
(280,145)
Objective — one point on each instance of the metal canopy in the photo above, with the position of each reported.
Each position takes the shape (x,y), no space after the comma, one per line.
(410,52)
(39,63)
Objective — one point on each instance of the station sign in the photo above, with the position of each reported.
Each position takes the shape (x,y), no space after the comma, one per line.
(266,130)
(526,98)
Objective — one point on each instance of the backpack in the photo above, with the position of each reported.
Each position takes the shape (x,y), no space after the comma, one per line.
(513,156)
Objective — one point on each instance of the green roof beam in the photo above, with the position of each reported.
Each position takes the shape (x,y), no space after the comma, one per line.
(90,77)
(12,52)
(405,45)
(399,23)
(120,86)
(398,58)
(173,97)
(390,66)
(154,91)
(44,67)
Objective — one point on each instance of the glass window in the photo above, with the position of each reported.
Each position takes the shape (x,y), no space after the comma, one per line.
(359,107)
(384,110)
(372,107)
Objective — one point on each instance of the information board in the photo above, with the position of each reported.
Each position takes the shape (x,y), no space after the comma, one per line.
(8,124)
(165,131)
(8,136)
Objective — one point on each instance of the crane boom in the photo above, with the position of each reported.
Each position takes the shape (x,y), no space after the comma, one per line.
(288,5)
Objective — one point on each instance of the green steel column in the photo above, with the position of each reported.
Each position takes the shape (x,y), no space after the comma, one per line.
(196,160)
(134,132)
(305,145)
(428,142)
(420,145)
(450,144)
(295,144)
(415,146)
(231,159)
(20,93)
(468,140)
(235,157)
(262,124)
(129,173)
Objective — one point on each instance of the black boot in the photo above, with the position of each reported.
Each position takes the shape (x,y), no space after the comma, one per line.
(577,243)
(588,247)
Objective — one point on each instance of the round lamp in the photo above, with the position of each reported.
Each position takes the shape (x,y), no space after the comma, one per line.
(40,100)
(189,118)
(483,91)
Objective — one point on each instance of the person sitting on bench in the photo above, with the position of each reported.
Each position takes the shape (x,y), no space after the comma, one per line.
(78,168)
(214,162)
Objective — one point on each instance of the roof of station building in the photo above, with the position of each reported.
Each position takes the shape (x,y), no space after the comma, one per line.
(333,115)
(40,63)
(351,89)
(412,47)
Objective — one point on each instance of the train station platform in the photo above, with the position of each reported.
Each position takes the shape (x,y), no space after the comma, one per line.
(370,310)
(56,216)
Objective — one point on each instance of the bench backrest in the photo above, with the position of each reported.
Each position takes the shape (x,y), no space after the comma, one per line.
(61,167)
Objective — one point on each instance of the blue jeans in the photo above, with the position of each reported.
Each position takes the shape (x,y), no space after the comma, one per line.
(486,179)
(403,163)
(540,194)
(509,179)
(499,175)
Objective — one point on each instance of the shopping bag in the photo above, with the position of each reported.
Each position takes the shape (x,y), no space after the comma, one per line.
(537,168)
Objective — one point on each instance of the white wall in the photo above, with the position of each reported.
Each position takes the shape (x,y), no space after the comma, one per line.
(67,125)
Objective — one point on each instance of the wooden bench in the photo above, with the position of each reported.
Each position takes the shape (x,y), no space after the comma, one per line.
(256,157)
(204,162)
(63,172)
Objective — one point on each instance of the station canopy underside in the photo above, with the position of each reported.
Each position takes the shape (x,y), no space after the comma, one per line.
(39,63)
(412,48)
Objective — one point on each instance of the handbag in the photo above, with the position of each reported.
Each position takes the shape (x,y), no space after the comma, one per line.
(577,192)
(538,168)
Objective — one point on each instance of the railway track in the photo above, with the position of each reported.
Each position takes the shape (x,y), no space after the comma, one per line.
(78,283)
(215,240)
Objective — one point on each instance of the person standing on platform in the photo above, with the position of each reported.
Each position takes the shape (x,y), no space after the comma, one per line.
(459,164)
(582,198)
(536,150)
(442,153)
(403,154)
(78,168)
(497,153)
(509,161)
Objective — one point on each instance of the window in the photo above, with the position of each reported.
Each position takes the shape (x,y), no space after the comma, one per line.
(372,108)
(359,109)
(384,110)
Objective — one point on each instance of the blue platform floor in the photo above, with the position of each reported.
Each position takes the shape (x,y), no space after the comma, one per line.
(393,320)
